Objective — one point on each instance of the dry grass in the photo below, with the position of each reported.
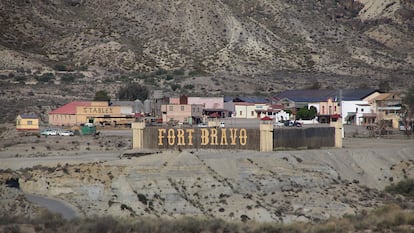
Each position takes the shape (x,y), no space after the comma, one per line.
(390,218)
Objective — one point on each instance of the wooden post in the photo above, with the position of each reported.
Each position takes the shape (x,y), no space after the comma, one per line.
(138,135)
(266,136)
(338,132)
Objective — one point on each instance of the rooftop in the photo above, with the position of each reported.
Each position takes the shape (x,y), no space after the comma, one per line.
(324,95)
(70,108)
(29,116)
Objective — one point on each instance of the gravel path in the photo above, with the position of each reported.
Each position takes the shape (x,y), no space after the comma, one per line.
(54,205)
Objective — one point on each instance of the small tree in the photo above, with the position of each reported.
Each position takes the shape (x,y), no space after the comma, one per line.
(175,86)
(306,114)
(132,91)
(102,95)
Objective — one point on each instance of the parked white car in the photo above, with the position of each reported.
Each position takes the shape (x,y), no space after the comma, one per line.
(278,124)
(49,132)
(202,125)
(66,133)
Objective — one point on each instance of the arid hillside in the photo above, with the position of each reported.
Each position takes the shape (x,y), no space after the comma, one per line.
(274,44)
(237,186)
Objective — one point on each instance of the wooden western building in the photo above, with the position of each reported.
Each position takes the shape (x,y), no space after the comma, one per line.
(27,122)
(95,112)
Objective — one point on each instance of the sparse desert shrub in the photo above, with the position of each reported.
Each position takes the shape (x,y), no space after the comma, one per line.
(142,198)
(60,67)
(69,78)
(179,72)
(404,187)
(47,77)
(160,72)
(175,86)
(189,86)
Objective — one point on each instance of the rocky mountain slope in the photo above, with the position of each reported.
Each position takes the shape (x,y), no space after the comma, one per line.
(265,40)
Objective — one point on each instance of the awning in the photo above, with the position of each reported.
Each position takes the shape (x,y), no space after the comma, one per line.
(266,118)
(335,116)
(369,115)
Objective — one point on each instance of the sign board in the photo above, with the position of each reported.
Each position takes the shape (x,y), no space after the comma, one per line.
(209,137)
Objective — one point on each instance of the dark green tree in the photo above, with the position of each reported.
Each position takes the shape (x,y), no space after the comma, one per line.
(132,91)
(306,114)
(102,95)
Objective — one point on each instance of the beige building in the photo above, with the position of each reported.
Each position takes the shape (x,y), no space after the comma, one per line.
(96,112)
(185,113)
(387,107)
(27,122)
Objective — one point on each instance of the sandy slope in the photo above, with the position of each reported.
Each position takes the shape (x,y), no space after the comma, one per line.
(235,185)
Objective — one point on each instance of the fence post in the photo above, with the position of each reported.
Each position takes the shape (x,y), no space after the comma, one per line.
(338,132)
(138,135)
(266,136)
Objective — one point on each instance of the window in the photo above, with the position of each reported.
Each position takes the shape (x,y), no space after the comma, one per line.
(182,108)
(29,122)
(362,110)
(335,108)
(171,108)
(323,109)
(241,113)
(252,113)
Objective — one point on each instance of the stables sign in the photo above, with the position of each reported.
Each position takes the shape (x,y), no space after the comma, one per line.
(202,137)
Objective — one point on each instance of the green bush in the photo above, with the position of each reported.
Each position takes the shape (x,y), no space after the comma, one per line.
(175,86)
(69,78)
(102,95)
(47,77)
(60,67)
(160,72)
(189,86)
(179,72)
(404,187)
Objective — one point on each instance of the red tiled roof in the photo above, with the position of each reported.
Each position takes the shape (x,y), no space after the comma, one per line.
(276,106)
(266,118)
(70,108)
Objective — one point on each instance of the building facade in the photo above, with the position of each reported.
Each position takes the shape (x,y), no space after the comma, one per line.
(95,112)
(184,113)
(388,108)
(27,122)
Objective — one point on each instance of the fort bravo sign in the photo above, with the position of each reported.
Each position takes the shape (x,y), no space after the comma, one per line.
(207,136)
(264,138)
